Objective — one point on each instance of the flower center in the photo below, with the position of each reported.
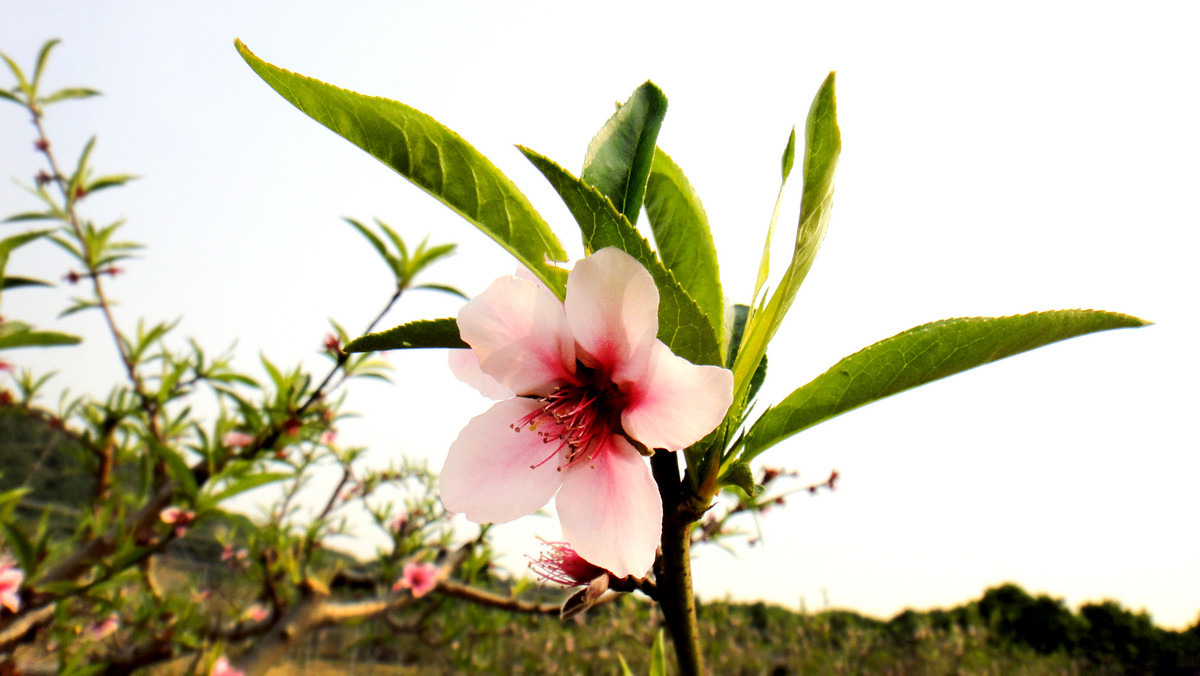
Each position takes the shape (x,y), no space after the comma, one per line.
(577,419)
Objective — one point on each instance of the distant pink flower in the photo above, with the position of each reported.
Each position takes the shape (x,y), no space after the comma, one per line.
(589,375)
(224,668)
(98,631)
(257,612)
(237,439)
(559,563)
(421,578)
(397,524)
(11,578)
(180,518)
(234,557)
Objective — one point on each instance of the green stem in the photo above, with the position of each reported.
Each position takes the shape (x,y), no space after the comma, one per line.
(673,572)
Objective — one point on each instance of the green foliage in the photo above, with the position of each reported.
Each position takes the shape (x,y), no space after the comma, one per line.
(406,267)
(918,356)
(19,334)
(685,243)
(619,157)
(681,323)
(434,158)
(26,91)
(418,334)
(822,147)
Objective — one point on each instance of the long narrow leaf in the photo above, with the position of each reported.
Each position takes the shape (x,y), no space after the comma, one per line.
(619,157)
(764,265)
(918,356)
(822,146)
(683,238)
(40,65)
(433,157)
(681,323)
(425,333)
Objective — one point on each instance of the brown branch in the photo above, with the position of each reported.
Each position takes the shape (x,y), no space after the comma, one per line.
(490,600)
(24,624)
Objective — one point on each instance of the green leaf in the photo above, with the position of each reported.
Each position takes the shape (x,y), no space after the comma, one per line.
(15,282)
(684,241)
(244,484)
(9,244)
(619,157)
(658,656)
(434,158)
(822,146)
(69,93)
(177,466)
(624,666)
(17,334)
(31,216)
(681,323)
(918,356)
(40,65)
(371,237)
(789,154)
(108,182)
(739,474)
(444,289)
(424,333)
(21,548)
(22,83)
(764,265)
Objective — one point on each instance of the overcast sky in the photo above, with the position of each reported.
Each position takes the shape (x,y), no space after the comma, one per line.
(998,159)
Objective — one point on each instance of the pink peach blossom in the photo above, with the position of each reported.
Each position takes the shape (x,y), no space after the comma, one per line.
(98,631)
(257,612)
(589,376)
(237,439)
(224,668)
(421,578)
(11,578)
(180,518)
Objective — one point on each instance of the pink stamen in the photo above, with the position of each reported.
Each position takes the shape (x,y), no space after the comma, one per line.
(574,417)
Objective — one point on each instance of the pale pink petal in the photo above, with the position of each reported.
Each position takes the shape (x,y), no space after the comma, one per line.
(488,475)
(237,439)
(421,578)
(224,668)
(170,515)
(518,331)
(611,512)
(465,367)
(10,585)
(674,403)
(612,307)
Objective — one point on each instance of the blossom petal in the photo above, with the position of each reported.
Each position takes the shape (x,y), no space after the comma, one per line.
(465,367)
(674,403)
(487,474)
(610,510)
(518,331)
(10,585)
(612,307)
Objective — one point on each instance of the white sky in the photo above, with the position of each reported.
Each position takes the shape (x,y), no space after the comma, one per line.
(995,161)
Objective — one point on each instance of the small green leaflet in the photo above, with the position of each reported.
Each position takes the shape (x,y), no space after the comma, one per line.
(424,333)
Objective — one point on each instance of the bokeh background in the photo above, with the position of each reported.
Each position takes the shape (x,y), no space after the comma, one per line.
(998,159)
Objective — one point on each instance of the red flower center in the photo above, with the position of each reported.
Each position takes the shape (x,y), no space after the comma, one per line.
(577,419)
